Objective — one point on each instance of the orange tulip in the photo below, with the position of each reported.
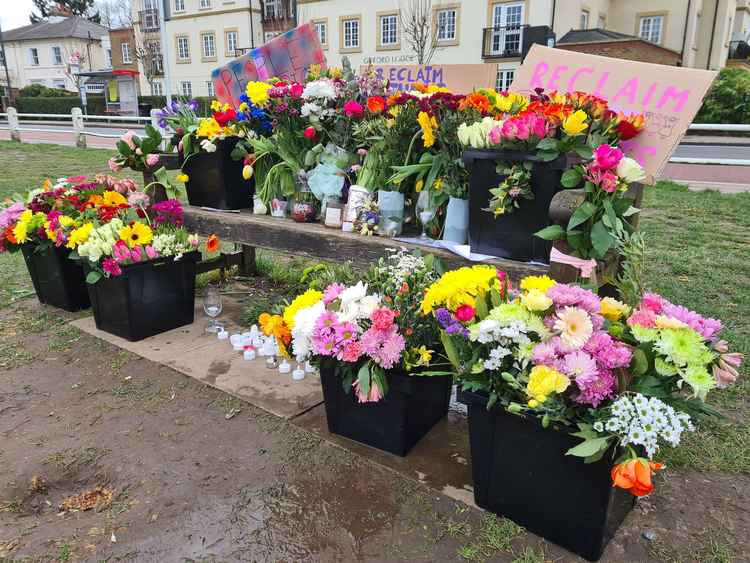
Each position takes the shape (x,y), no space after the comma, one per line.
(212,244)
(376,104)
(634,475)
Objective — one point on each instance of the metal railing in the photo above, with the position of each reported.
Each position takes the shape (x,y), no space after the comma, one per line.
(503,42)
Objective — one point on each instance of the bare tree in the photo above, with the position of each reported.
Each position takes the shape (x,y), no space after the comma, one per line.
(418,29)
(76,61)
(115,13)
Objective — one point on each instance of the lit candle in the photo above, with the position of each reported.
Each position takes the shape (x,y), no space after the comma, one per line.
(249,353)
(284,367)
(222,335)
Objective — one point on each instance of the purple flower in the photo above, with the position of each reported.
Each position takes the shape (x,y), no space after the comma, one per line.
(595,389)
(564,295)
(444,317)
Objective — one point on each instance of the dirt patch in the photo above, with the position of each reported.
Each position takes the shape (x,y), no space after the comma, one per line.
(191,483)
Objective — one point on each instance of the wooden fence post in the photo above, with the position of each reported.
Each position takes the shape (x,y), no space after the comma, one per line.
(15,133)
(77,116)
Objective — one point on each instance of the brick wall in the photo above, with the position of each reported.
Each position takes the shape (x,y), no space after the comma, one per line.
(117,37)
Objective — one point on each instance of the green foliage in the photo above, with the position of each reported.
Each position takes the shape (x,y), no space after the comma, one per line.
(728,101)
(42,91)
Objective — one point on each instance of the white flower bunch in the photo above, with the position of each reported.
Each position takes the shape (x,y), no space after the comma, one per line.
(208,146)
(323,88)
(168,244)
(643,421)
(356,303)
(402,265)
(476,135)
(309,108)
(629,171)
(101,241)
(304,323)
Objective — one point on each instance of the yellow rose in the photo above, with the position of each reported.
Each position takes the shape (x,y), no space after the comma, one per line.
(575,123)
(612,309)
(536,300)
(544,381)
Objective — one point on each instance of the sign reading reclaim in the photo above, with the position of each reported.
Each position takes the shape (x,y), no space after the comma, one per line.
(668,96)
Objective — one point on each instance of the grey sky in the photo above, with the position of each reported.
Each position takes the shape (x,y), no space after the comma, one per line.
(15,13)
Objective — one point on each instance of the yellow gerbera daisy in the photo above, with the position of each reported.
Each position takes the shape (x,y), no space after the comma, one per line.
(136,234)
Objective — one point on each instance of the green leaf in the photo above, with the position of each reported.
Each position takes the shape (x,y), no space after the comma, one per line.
(547,156)
(589,447)
(601,240)
(363,376)
(630,211)
(450,350)
(93,276)
(481,307)
(582,214)
(553,232)
(639,363)
(187,144)
(584,152)
(124,149)
(548,144)
(571,178)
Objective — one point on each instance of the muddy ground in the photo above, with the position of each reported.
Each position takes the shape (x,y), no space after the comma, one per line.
(192,484)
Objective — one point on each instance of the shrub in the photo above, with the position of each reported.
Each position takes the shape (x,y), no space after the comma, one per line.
(728,101)
(59,105)
(41,91)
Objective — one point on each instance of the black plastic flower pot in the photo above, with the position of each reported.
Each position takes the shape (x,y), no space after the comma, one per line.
(412,406)
(520,471)
(511,235)
(215,179)
(58,280)
(148,298)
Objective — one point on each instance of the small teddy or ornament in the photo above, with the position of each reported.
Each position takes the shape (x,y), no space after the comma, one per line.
(368,219)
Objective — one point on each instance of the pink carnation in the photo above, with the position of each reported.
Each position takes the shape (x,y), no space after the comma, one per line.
(353,109)
(653,302)
(382,318)
(642,317)
(351,352)
(465,313)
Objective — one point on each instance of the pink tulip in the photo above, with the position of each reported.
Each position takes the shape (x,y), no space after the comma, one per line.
(510,130)
(128,138)
(295,91)
(151,252)
(113,165)
(523,131)
(136,254)
(152,159)
(495,135)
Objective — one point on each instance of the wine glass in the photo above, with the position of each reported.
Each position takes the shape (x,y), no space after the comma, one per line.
(426,212)
(212,307)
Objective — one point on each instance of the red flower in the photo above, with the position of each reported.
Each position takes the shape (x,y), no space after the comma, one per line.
(376,104)
(353,109)
(310,133)
(224,117)
(296,90)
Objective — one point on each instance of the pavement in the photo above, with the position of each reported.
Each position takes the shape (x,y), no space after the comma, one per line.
(726,178)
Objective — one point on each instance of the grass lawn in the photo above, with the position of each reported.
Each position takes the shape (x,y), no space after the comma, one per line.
(698,249)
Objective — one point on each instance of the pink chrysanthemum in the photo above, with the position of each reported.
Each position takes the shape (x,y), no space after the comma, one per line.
(642,317)
(332,292)
(564,295)
(390,352)
(596,389)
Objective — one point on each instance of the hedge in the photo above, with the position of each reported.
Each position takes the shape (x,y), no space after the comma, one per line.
(95,104)
(728,101)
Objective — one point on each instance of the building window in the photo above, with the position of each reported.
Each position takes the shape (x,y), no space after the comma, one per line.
(157,88)
(584,19)
(507,22)
(504,79)
(208,45)
(446,25)
(183,49)
(389,30)
(351,34)
(271,9)
(57,55)
(205,4)
(179,5)
(230,38)
(186,88)
(109,58)
(33,56)
(650,28)
(58,84)
(126,53)
(210,88)
(321,28)
(602,22)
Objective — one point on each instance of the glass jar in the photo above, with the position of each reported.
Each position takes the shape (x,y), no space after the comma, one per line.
(304,206)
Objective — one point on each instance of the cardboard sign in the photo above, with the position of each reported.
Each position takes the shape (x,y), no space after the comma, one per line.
(288,55)
(461,79)
(668,96)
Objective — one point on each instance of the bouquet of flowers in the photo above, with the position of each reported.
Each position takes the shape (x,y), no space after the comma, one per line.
(625,382)
(368,328)
(56,214)
(138,231)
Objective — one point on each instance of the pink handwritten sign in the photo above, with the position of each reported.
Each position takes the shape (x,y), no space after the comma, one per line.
(288,55)
(668,96)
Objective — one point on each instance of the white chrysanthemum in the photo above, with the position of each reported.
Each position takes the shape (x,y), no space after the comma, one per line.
(319,89)
(309,108)
(304,323)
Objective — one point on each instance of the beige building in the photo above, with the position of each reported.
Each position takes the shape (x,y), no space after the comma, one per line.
(694,33)
(42,53)
(202,35)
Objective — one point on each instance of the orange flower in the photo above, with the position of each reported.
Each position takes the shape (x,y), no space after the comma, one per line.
(376,104)
(392,99)
(476,101)
(634,475)
(421,87)
(212,243)
(628,126)
(275,325)
(9,236)
(95,200)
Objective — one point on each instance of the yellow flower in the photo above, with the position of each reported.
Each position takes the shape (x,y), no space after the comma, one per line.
(258,92)
(419,185)
(136,234)
(80,235)
(428,124)
(459,287)
(425,355)
(335,72)
(209,128)
(243,106)
(47,185)
(65,221)
(510,102)
(303,301)
(114,199)
(575,123)
(21,230)
(613,309)
(182,177)
(247,172)
(437,185)
(543,381)
(215,105)
(662,321)
(542,283)
(314,71)
(536,300)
